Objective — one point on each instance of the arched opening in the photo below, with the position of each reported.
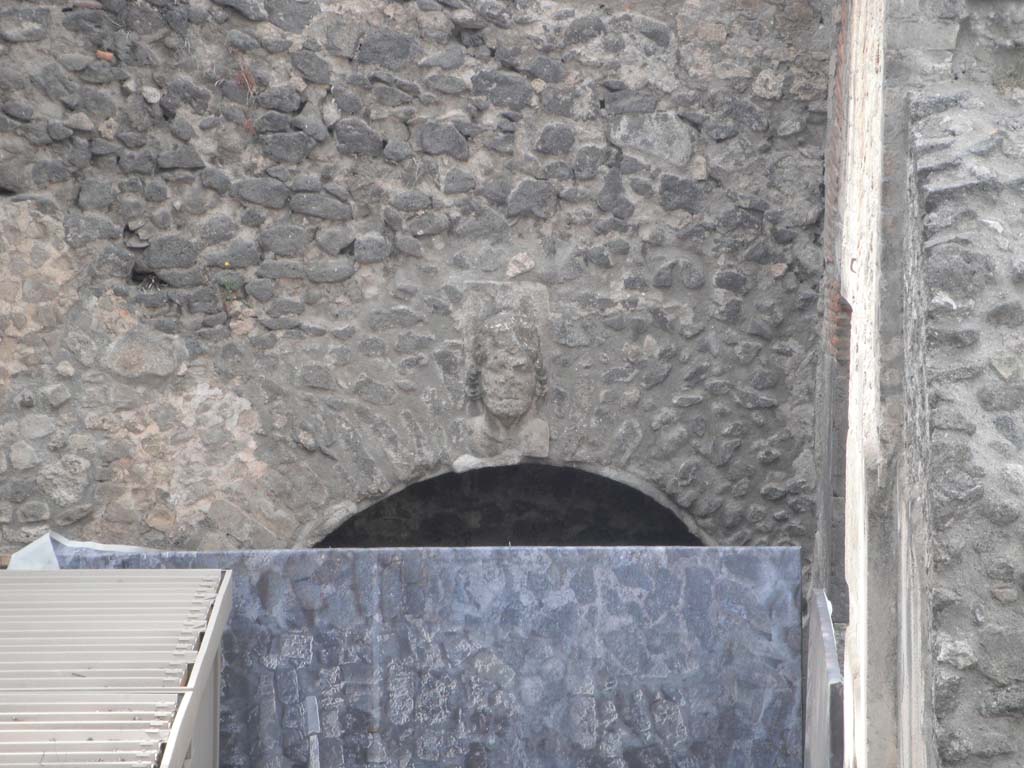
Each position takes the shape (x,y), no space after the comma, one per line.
(521,505)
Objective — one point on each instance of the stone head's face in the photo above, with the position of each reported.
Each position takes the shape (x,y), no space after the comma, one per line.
(508,377)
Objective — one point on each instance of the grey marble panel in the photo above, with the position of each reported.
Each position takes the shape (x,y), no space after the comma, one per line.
(507,658)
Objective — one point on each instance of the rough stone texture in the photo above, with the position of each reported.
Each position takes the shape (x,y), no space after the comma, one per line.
(968,149)
(143,355)
(956,126)
(925,173)
(24,25)
(154,193)
(508,657)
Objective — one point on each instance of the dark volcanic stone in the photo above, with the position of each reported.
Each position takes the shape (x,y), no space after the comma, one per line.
(503,89)
(241,41)
(588,160)
(312,68)
(583,30)
(252,217)
(451,57)
(269,193)
(664,275)
(282,98)
(442,139)
(397,150)
(958,338)
(320,206)
(306,182)
(390,97)
(679,194)
(143,162)
(1017,271)
(281,307)
(52,81)
(731,280)
(181,90)
(535,198)
(1010,314)
(237,255)
(260,289)
(291,15)
(597,255)
(333,240)
(657,31)
(496,190)
(291,147)
(49,172)
(254,10)
(496,12)
(281,270)
(427,224)
(612,198)
(347,101)
(411,200)
(1005,426)
(215,179)
(446,84)
(384,48)
(80,229)
(691,275)
(18,110)
(355,137)
(371,248)
(556,139)
(24,25)
(408,245)
(284,239)
(631,102)
(58,132)
(272,122)
(310,123)
(330,271)
(96,194)
(458,181)
(171,252)
(179,157)
(546,69)
(1001,397)
(275,44)
(216,229)
(181,129)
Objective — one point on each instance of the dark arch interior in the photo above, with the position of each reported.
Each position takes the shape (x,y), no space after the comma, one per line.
(522,505)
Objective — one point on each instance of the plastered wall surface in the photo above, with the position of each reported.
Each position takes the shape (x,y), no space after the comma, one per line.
(267,262)
(856,176)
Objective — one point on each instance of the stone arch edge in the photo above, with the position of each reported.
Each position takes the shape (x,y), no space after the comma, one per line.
(311,533)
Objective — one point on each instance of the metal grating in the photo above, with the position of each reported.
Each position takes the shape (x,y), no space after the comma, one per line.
(106,667)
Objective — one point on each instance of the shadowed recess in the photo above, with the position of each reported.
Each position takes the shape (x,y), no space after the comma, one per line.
(523,505)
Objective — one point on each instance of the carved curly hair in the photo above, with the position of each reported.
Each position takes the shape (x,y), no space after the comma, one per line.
(525,334)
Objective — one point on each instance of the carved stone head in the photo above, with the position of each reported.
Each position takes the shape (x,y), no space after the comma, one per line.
(507,373)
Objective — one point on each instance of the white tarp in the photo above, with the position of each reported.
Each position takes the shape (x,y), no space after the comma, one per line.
(41,554)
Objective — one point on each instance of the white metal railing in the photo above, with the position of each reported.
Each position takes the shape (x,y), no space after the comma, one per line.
(111,667)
